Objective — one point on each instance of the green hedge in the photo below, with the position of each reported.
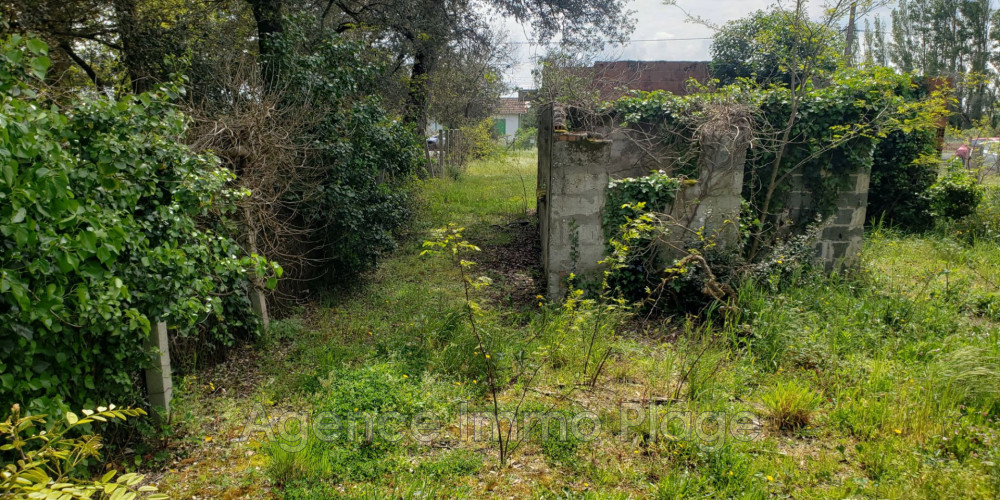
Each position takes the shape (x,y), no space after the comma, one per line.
(109,223)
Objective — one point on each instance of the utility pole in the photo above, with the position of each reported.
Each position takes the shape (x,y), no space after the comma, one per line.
(848,51)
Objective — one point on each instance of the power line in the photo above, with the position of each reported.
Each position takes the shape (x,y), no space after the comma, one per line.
(626,43)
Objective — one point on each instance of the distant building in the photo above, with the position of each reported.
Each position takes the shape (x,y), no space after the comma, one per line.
(616,78)
(507,118)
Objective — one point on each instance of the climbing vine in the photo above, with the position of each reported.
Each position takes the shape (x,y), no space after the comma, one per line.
(626,197)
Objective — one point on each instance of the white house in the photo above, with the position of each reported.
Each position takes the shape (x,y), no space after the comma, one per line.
(507,118)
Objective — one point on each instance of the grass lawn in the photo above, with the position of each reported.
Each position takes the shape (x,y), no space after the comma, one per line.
(884,384)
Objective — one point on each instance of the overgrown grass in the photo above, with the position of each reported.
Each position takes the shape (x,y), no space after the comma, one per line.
(883,384)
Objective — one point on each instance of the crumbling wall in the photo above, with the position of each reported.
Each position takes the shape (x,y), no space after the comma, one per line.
(841,235)
(573,175)
(574,169)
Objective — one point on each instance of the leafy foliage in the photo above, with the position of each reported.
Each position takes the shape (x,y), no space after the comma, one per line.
(628,229)
(47,457)
(367,159)
(904,168)
(655,192)
(956,194)
(765,46)
(836,131)
(110,223)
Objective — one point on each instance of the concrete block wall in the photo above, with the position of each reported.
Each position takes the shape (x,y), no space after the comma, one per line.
(574,169)
(842,235)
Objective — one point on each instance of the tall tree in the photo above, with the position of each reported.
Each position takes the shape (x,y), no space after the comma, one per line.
(875,49)
(424,30)
(765,45)
(952,39)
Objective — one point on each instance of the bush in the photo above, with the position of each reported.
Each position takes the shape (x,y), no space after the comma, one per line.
(900,179)
(366,158)
(985,222)
(525,138)
(110,224)
(956,194)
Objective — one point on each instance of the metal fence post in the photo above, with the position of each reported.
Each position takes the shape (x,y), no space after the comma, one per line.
(441,153)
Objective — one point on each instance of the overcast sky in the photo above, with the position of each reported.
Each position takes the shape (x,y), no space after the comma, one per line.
(655,21)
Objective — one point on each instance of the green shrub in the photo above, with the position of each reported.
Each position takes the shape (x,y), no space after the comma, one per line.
(626,227)
(109,224)
(525,138)
(956,194)
(656,190)
(367,158)
(900,179)
(984,223)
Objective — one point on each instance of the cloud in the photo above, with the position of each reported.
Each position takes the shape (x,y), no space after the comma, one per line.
(662,33)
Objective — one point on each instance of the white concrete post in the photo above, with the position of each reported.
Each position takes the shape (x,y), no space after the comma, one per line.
(259,303)
(158,380)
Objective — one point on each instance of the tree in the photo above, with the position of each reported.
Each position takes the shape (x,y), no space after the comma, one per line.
(952,39)
(468,81)
(764,46)
(848,111)
(423,31)
(875,49)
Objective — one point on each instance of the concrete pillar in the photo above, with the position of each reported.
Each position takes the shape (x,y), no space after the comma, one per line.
(259,303)
(158,381)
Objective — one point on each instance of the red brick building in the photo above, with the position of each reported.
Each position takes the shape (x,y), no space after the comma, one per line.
(613,78)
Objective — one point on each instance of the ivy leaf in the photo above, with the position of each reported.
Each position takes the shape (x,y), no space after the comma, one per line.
(37,46)
(40,66)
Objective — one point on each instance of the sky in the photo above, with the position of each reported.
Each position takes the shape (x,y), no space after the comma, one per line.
(661,34)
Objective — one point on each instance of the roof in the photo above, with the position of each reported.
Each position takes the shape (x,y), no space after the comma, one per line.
(671,76)
(512,106)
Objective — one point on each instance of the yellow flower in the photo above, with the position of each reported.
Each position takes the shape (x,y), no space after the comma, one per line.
(770,478)
(487,356)
(405,376)
(898,431)
(208,439)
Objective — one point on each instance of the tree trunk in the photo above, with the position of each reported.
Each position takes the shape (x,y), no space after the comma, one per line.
(416,99)
(849,49)
(127,18)
(267,15)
